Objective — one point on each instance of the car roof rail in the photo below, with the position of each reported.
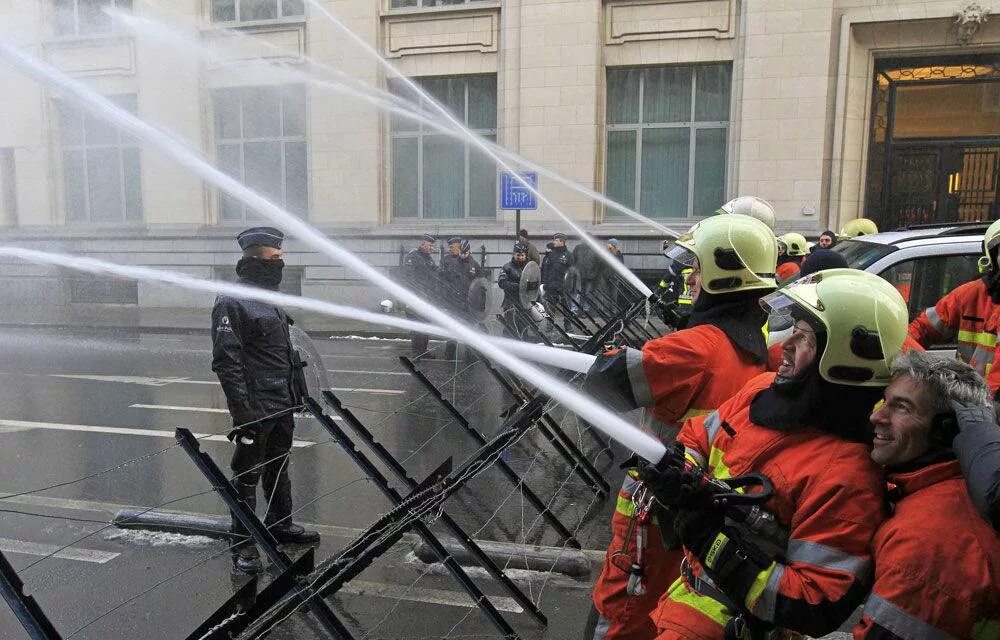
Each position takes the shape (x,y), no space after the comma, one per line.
(948,228)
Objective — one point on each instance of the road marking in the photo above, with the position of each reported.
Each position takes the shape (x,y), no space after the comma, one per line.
(430,596)
(174,407)
(161,382)
(121,431)
(378,373)
(8,545)
(142,380)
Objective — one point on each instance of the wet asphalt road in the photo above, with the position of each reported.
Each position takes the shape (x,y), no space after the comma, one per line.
(76,404)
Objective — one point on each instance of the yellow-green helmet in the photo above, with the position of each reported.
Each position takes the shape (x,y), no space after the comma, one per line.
(735,253)
(858,227)
(794,244)
(864,318)
(750,206)
(990,242)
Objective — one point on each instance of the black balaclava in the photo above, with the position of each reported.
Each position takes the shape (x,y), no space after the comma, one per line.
(738,314)
(265,274)
(809,400)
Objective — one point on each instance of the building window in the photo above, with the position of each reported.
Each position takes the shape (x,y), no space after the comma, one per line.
(85,17)
(101,166)
(260,139)
(436,176)
(421,4)
(667,131)
(253,10)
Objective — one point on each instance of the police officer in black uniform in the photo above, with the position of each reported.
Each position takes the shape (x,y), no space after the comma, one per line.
(509,281)
(421,276)
(457,273)
(555,264)
(260,372)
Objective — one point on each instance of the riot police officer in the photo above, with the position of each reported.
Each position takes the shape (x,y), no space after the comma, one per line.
(253,356)
(555,264)
(421,275)
(509,282)
(457,273)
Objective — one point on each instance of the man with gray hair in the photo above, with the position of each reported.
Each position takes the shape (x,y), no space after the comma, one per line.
(937,563)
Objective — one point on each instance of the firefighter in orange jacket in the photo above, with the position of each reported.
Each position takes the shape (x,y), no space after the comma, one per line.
(937,564)
(970,315)
(792,250)
(806,429)
(683,374)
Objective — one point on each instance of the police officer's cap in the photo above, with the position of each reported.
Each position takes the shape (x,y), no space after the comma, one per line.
(455,240)
(260,237)
(466,246)
(428,238)
(559,236)
(520,247)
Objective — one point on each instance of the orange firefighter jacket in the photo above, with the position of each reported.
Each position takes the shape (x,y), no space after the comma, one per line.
(937,563)
(827,491)
(787,271)
(968,316)
(683,374)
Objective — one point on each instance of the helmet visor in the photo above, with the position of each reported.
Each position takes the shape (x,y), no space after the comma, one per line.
(679,258)
(806,304)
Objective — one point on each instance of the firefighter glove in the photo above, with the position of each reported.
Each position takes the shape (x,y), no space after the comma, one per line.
(675,485)
(732,561)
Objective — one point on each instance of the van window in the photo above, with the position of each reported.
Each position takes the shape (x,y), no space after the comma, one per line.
(924,281)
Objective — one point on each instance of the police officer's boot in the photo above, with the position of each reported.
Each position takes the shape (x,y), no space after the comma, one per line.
(279,515)
(246,558)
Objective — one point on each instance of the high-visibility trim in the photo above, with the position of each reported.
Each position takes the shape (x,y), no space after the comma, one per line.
(759,585)
(766,604)
(717,466)
(717,547)
(938,324)
(637,377)
(900,622)
(706,606)
(986,630)
(982,338)
(625,506)
(820,555)
(694,457)
(601,630)
(712,426)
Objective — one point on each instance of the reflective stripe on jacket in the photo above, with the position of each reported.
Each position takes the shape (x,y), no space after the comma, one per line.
(967,316)
(685,374)
(826,490)
(937,564)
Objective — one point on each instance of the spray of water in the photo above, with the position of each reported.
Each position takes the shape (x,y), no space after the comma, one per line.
(628,435)
(326,77)
(551,356)
(599,249)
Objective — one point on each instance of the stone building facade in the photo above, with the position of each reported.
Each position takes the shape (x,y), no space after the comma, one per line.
(830,109)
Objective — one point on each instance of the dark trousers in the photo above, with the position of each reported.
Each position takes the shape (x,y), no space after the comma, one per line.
(267,459)
(418,341)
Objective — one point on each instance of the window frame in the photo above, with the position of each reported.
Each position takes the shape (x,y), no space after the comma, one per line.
(444,7)
(76,33)
(420,133)
(238,21)
(219,141)
(124,141)
(693,126)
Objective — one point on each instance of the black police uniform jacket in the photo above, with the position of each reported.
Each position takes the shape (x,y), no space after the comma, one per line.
(421,274)
(509,281)
(253,356)
(555,264)
(456,277)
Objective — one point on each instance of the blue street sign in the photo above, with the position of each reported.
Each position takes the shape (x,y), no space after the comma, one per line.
(513,194)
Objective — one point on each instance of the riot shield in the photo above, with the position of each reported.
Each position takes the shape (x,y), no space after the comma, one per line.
(313,372)
(479,299)
(531,278)
(572,281)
